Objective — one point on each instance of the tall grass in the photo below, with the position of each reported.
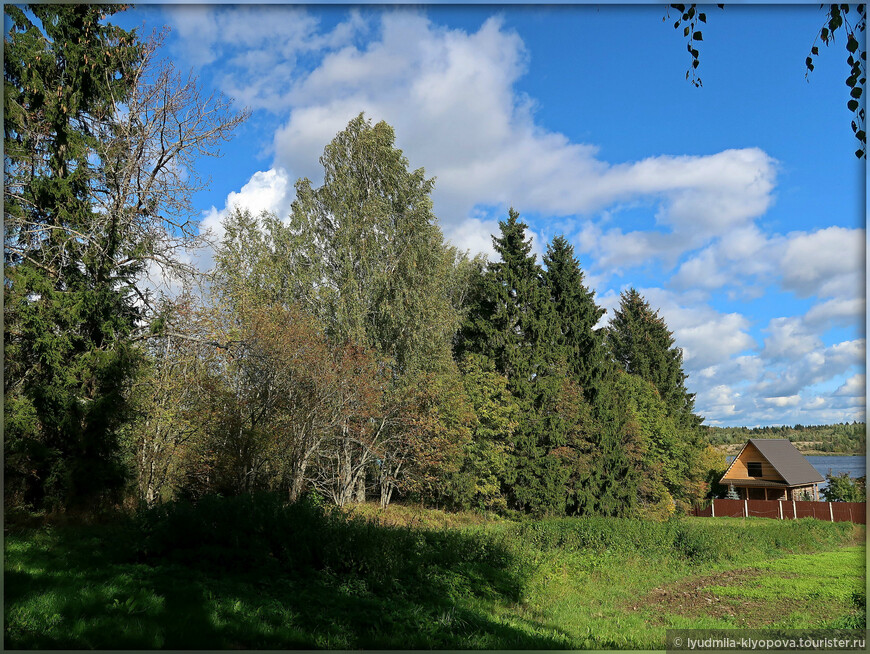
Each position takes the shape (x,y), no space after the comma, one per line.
(253,572)
(695,541)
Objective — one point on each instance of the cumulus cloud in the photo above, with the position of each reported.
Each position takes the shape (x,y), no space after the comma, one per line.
(259,47)
(791,400)
(855,386)
(789,338)
(839,312)
(705,335)
(825,263)
(267,190)
(450,95)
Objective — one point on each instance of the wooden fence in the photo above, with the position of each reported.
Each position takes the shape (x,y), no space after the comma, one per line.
(786,510)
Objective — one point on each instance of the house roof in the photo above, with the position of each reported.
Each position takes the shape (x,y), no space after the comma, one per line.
(787,461)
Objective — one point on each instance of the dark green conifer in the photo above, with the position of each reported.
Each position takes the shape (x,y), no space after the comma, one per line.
(513,322)
(68,305)
(577,313)
(642,345)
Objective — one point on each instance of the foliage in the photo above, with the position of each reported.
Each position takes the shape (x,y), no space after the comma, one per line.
(167,399)
(668,454)
(97,134)
(842,488)
(836,19)
(482,478)
(68,309)
(577,315)
(690,20)
(512,321)
(712,464)
(438,436)
(379,263)
(642,344)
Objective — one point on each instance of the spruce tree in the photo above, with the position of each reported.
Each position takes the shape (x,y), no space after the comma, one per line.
(513,322)
(577,314)
(641,344)
(68,306)
(607,477)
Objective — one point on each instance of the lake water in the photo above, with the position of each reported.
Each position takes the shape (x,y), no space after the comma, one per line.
(856,466)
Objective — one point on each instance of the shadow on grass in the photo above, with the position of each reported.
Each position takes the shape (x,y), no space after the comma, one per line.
(251,573)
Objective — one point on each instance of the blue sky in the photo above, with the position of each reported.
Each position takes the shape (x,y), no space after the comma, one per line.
(736,208)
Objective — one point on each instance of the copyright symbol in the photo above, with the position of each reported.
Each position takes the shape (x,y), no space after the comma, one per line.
(678,642)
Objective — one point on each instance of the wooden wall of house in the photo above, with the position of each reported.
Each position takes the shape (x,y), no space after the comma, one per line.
(750,454)
(796,492)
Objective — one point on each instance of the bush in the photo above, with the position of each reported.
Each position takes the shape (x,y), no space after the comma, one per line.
(842,488)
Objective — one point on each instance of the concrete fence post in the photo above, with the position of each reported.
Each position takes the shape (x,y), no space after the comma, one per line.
(745,508)
(794,510)
(831,510)
(713,508)
(780,510)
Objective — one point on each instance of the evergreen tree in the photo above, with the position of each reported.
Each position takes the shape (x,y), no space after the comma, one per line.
(68,305)
(608,460)
(100,142)
(513,323)
(577,315)
(609,481)
(642,345)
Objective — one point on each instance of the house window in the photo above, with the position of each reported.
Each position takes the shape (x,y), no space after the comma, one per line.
(753,469)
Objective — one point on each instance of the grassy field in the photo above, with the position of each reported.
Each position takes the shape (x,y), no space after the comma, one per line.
(250,573)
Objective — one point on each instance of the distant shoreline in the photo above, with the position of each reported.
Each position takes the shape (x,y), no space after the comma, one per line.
(731,449)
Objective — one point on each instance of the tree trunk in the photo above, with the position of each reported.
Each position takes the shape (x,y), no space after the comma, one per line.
(297,479)
(386,494)
(361,487)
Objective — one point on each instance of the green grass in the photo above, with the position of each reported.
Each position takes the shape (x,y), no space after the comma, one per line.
(250,573)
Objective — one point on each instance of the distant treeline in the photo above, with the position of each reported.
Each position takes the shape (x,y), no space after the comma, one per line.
(848,438)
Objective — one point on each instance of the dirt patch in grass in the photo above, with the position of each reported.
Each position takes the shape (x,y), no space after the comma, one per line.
(696,597)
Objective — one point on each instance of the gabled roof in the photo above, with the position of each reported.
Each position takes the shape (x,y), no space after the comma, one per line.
(787,461)
(791,465)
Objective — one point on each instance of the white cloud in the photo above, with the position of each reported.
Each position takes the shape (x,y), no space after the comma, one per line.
(258,46)
(720,401)
(789,339)
(730,260)
(808,367)
(839,311)
(267,190)
(474,235)
(706,336)
(789,401)
(450,96)
(855,386)
(825,263)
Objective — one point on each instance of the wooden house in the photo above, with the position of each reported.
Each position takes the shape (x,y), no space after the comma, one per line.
(772,469)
